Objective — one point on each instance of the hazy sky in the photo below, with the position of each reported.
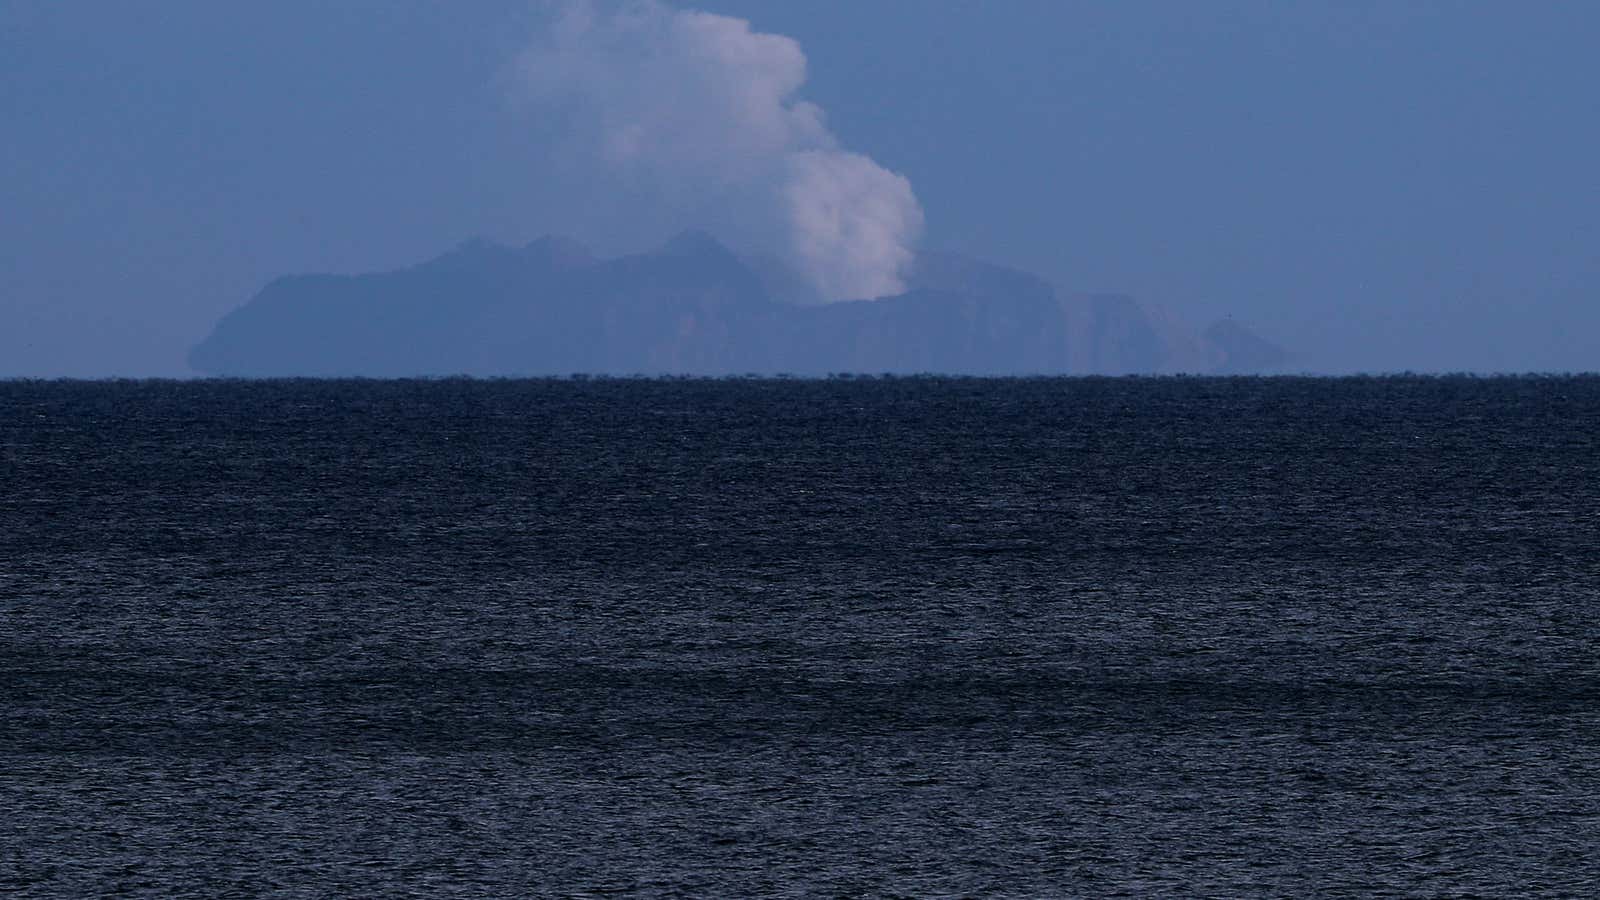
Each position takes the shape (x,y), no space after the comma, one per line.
(1380,186)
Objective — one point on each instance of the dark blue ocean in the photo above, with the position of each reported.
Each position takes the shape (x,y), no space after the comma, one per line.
(883,637)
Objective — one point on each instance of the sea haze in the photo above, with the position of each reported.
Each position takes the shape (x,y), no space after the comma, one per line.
(924,636)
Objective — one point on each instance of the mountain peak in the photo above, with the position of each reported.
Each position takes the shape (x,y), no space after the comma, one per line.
(472,253)
(694,242)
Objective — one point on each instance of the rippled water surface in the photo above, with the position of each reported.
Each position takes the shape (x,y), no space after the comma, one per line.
(729,638)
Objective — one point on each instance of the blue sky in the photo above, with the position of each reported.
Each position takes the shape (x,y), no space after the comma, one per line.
(1380,186)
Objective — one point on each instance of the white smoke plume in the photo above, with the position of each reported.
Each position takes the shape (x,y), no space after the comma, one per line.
(704,106)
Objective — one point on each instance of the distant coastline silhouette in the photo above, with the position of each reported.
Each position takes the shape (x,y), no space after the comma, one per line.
(693,307)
